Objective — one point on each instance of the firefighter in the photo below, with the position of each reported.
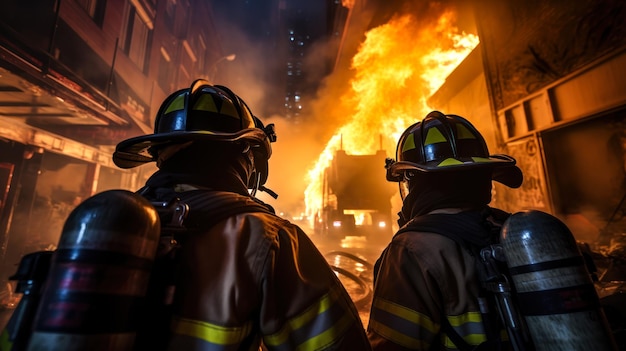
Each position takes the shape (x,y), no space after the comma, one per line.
(427,293)
(244,277)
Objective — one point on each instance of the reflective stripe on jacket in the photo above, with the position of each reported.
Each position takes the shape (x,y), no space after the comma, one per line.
(421,275)
(254,279)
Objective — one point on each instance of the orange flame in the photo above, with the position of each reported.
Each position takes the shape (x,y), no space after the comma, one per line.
(398,67)
(347,3)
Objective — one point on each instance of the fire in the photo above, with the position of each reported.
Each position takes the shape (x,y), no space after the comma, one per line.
(398,67)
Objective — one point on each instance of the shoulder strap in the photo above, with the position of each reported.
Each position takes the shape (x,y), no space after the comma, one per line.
(181,214)
(208,207)
(473,231)
(469,229)
(201,208)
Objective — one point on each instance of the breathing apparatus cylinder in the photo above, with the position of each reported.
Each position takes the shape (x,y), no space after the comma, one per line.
(554,289)
(98,275)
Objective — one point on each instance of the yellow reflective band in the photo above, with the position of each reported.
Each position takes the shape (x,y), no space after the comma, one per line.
(409,143)
(328,336)
(5,343)
(463,133)
(397,337)
(434,136)
(405,313)
(481,159)
(297,322)
(460,320)
(211,333)
(472,339)
(205,103)
(468,317)
(177,104)
(449,162)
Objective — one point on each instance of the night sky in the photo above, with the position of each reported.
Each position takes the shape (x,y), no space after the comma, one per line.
(251,30)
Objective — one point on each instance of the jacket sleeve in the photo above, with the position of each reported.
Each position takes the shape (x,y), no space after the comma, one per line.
(406,308)
(304,305)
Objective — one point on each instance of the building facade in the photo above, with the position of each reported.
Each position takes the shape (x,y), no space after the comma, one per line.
(77,77)
(545,86)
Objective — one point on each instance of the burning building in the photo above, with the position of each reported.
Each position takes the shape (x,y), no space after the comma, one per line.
(401,61)
(543,85)
(556,103)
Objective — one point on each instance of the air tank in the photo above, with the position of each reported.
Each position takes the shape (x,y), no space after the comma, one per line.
(99,275)
(554,289)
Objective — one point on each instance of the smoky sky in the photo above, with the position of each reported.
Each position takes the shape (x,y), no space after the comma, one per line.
(256,31)
(255,18)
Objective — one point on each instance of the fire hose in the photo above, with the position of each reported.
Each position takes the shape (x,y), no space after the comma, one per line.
(362,301)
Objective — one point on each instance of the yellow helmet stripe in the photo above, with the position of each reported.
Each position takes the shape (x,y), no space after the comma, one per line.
(409,143)
(205,103)
(5,340)
(463,133)
(481,159)
(177,104)
(229,109)
(434,136)
(449,162)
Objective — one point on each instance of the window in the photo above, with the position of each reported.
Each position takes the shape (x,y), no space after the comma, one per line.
(164,70)
(170,11)
(136,35)
(201,47)
(94,8)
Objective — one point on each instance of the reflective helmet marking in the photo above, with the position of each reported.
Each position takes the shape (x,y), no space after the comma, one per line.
(463,133)
(481,159)
(202,112)
(434,136)
(205,103)
(449,162)
(409,143)
(441,143)
(177,104)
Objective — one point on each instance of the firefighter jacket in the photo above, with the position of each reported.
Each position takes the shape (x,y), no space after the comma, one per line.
(255,279)
(422,279)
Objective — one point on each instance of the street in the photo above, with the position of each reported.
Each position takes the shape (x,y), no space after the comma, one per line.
(353,258)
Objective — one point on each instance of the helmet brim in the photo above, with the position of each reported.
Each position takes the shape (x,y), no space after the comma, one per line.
(135,151)
(504,169)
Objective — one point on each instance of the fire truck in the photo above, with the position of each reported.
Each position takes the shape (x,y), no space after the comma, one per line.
(356,197)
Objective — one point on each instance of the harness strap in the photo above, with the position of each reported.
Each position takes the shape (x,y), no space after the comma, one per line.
(182,214)
(472,230)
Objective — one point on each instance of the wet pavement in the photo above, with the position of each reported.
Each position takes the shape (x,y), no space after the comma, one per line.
(353,259)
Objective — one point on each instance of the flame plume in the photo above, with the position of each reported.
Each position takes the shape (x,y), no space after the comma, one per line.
(398,67)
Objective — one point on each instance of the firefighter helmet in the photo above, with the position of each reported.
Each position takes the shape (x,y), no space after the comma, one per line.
(201,112)
(442,143)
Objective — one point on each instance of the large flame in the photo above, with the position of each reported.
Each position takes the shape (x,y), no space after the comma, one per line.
(398,67)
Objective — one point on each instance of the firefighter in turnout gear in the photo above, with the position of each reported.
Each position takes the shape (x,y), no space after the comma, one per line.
(242,277)
(427,294)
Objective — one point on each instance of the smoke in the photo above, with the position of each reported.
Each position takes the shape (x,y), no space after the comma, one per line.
(258,78)
(334,105)
(300,141)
